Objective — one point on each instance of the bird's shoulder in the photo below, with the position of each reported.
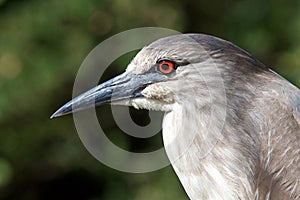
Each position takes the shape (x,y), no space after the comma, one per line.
(288,95)
(278,107)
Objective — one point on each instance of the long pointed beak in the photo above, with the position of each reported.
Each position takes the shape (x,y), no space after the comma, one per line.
(124,86)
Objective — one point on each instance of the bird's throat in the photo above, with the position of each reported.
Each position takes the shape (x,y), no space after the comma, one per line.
(201,156)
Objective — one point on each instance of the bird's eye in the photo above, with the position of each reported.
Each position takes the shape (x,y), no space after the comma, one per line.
(166,66)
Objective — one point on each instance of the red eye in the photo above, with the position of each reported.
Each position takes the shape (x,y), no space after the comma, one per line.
(166,66)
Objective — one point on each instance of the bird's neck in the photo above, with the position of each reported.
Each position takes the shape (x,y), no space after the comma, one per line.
(210,161)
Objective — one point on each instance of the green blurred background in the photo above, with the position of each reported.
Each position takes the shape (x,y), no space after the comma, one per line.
(42,44)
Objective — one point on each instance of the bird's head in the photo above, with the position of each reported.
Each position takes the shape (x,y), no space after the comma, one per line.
(163,73)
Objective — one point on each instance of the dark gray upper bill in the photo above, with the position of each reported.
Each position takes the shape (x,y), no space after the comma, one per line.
(124,86)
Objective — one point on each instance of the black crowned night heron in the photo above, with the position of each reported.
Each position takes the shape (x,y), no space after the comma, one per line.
(231,127)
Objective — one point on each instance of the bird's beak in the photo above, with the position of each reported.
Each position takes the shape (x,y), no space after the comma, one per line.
(124,86)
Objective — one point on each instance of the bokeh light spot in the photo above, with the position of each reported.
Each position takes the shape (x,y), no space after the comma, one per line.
(10,66)
(5,172)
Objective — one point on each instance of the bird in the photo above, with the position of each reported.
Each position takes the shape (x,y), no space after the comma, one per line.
(231,125)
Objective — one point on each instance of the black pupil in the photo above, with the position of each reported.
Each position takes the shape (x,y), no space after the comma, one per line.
(165,66)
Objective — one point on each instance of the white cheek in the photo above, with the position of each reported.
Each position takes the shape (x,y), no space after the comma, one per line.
(144,103)
(151,104)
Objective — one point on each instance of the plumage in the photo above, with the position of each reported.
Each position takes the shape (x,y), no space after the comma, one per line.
(231,127)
